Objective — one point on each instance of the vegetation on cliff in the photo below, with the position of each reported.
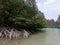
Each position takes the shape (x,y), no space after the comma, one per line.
(16,13)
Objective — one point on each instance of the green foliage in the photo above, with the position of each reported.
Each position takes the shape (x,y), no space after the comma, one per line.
(41,23)
(16,13)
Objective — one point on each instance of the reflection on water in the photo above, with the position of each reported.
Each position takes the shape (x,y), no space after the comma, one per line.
(50,37)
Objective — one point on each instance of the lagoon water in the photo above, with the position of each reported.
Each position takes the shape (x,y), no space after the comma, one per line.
(51,36)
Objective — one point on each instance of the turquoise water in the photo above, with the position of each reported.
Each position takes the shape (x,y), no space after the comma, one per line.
(51,36)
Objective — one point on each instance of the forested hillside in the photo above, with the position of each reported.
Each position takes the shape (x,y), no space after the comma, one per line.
(20,14)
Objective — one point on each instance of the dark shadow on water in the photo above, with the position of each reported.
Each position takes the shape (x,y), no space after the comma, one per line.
(39,31)
(42,31)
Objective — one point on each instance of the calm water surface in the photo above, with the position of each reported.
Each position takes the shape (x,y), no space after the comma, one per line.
(50,37)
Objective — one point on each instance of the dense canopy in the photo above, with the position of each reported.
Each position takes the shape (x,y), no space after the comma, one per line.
(16,13)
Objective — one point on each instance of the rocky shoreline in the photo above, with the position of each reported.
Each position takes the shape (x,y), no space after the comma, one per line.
(13,33)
